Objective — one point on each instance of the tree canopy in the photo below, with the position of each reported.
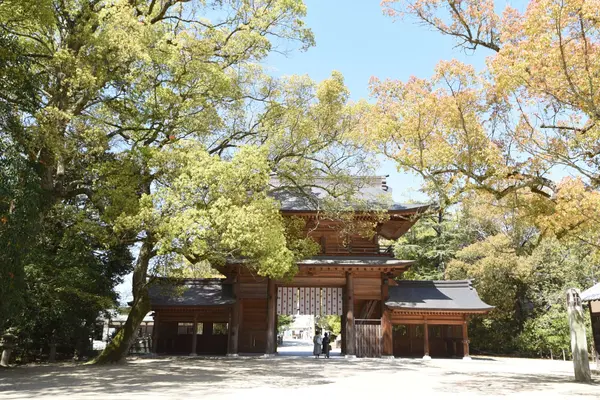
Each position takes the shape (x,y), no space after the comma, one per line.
(492,147)
(110,105)
(504,130)
(151,128)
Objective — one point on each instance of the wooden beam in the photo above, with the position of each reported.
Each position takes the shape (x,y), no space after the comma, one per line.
(343,330)
(314,281)
(350,328)
(386,321)
(368,309)
(420,321)
(426,356)
(155,329)
(271,316)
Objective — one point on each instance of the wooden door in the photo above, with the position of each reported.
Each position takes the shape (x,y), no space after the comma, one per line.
(368,338)
(408,340)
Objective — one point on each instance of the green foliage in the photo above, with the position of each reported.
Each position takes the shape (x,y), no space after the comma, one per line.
(209,209)
(153,123)
(528,290)
(514,268)
(69,279)
(301,246)
(549,331)
(432,243)
(284,322)
(90,94)
(331,323)
(19,202)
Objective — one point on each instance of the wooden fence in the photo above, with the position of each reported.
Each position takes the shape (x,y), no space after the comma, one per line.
(368,338)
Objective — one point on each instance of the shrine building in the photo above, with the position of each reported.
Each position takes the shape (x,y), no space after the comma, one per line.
(356,278)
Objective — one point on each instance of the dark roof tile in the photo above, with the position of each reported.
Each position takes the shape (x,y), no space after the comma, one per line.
(435,295)
(190,292)
(372,193)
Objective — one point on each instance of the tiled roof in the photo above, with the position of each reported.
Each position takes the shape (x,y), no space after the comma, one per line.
(190,292)
(435,295)
(372,193)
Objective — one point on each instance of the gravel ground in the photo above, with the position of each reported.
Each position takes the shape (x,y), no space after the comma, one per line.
(296,377)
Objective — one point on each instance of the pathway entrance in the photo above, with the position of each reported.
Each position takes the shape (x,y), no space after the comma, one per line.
(302,348)
(307,301)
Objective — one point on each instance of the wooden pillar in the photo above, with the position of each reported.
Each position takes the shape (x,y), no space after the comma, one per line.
(155,329)
(426,341)
(350,328)
(234,324)
(465,332)
(387,348)
(271,316)
(194,335)
(343,327)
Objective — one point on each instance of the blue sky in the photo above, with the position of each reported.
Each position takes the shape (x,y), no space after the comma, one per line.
(355,38)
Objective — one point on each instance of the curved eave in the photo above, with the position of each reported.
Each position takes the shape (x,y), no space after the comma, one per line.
(396,209)
(374,262)
(225,303)
(396,307)
(409,209)
(400,222)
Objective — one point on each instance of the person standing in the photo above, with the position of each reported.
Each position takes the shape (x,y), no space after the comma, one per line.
(326,345)
(318,342)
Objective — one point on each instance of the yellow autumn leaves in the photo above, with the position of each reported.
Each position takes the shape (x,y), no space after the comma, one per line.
(524,128)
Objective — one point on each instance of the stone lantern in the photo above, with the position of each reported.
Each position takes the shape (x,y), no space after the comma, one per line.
(7,343)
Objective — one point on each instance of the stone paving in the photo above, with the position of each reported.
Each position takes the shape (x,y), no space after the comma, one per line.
(298,377)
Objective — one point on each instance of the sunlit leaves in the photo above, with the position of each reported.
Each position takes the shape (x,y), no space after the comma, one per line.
(537,109)
(438,128)
(210,209)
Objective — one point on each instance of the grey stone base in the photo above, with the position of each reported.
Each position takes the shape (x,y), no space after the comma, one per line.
(269,355)
(468,358)
(426,357)
(350,356)
(232,355)
(388,357)
(193,355)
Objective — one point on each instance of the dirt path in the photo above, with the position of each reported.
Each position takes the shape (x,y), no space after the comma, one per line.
(296,377)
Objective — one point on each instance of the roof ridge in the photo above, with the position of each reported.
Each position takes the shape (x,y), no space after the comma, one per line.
(192,280)
(441,282)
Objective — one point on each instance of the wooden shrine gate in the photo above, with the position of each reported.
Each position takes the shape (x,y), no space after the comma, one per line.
(309,301)
(368,338)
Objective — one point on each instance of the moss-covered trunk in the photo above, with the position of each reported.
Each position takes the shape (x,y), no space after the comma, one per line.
(118,348)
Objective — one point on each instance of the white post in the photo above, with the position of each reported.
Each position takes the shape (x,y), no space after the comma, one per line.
(581,362)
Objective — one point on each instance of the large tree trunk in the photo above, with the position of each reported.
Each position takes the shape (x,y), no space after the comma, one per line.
(118,348)
(581,362)
(52,353)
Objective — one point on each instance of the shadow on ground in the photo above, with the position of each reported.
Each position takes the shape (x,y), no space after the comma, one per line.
(205,374)
(175,377)
(495,383)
